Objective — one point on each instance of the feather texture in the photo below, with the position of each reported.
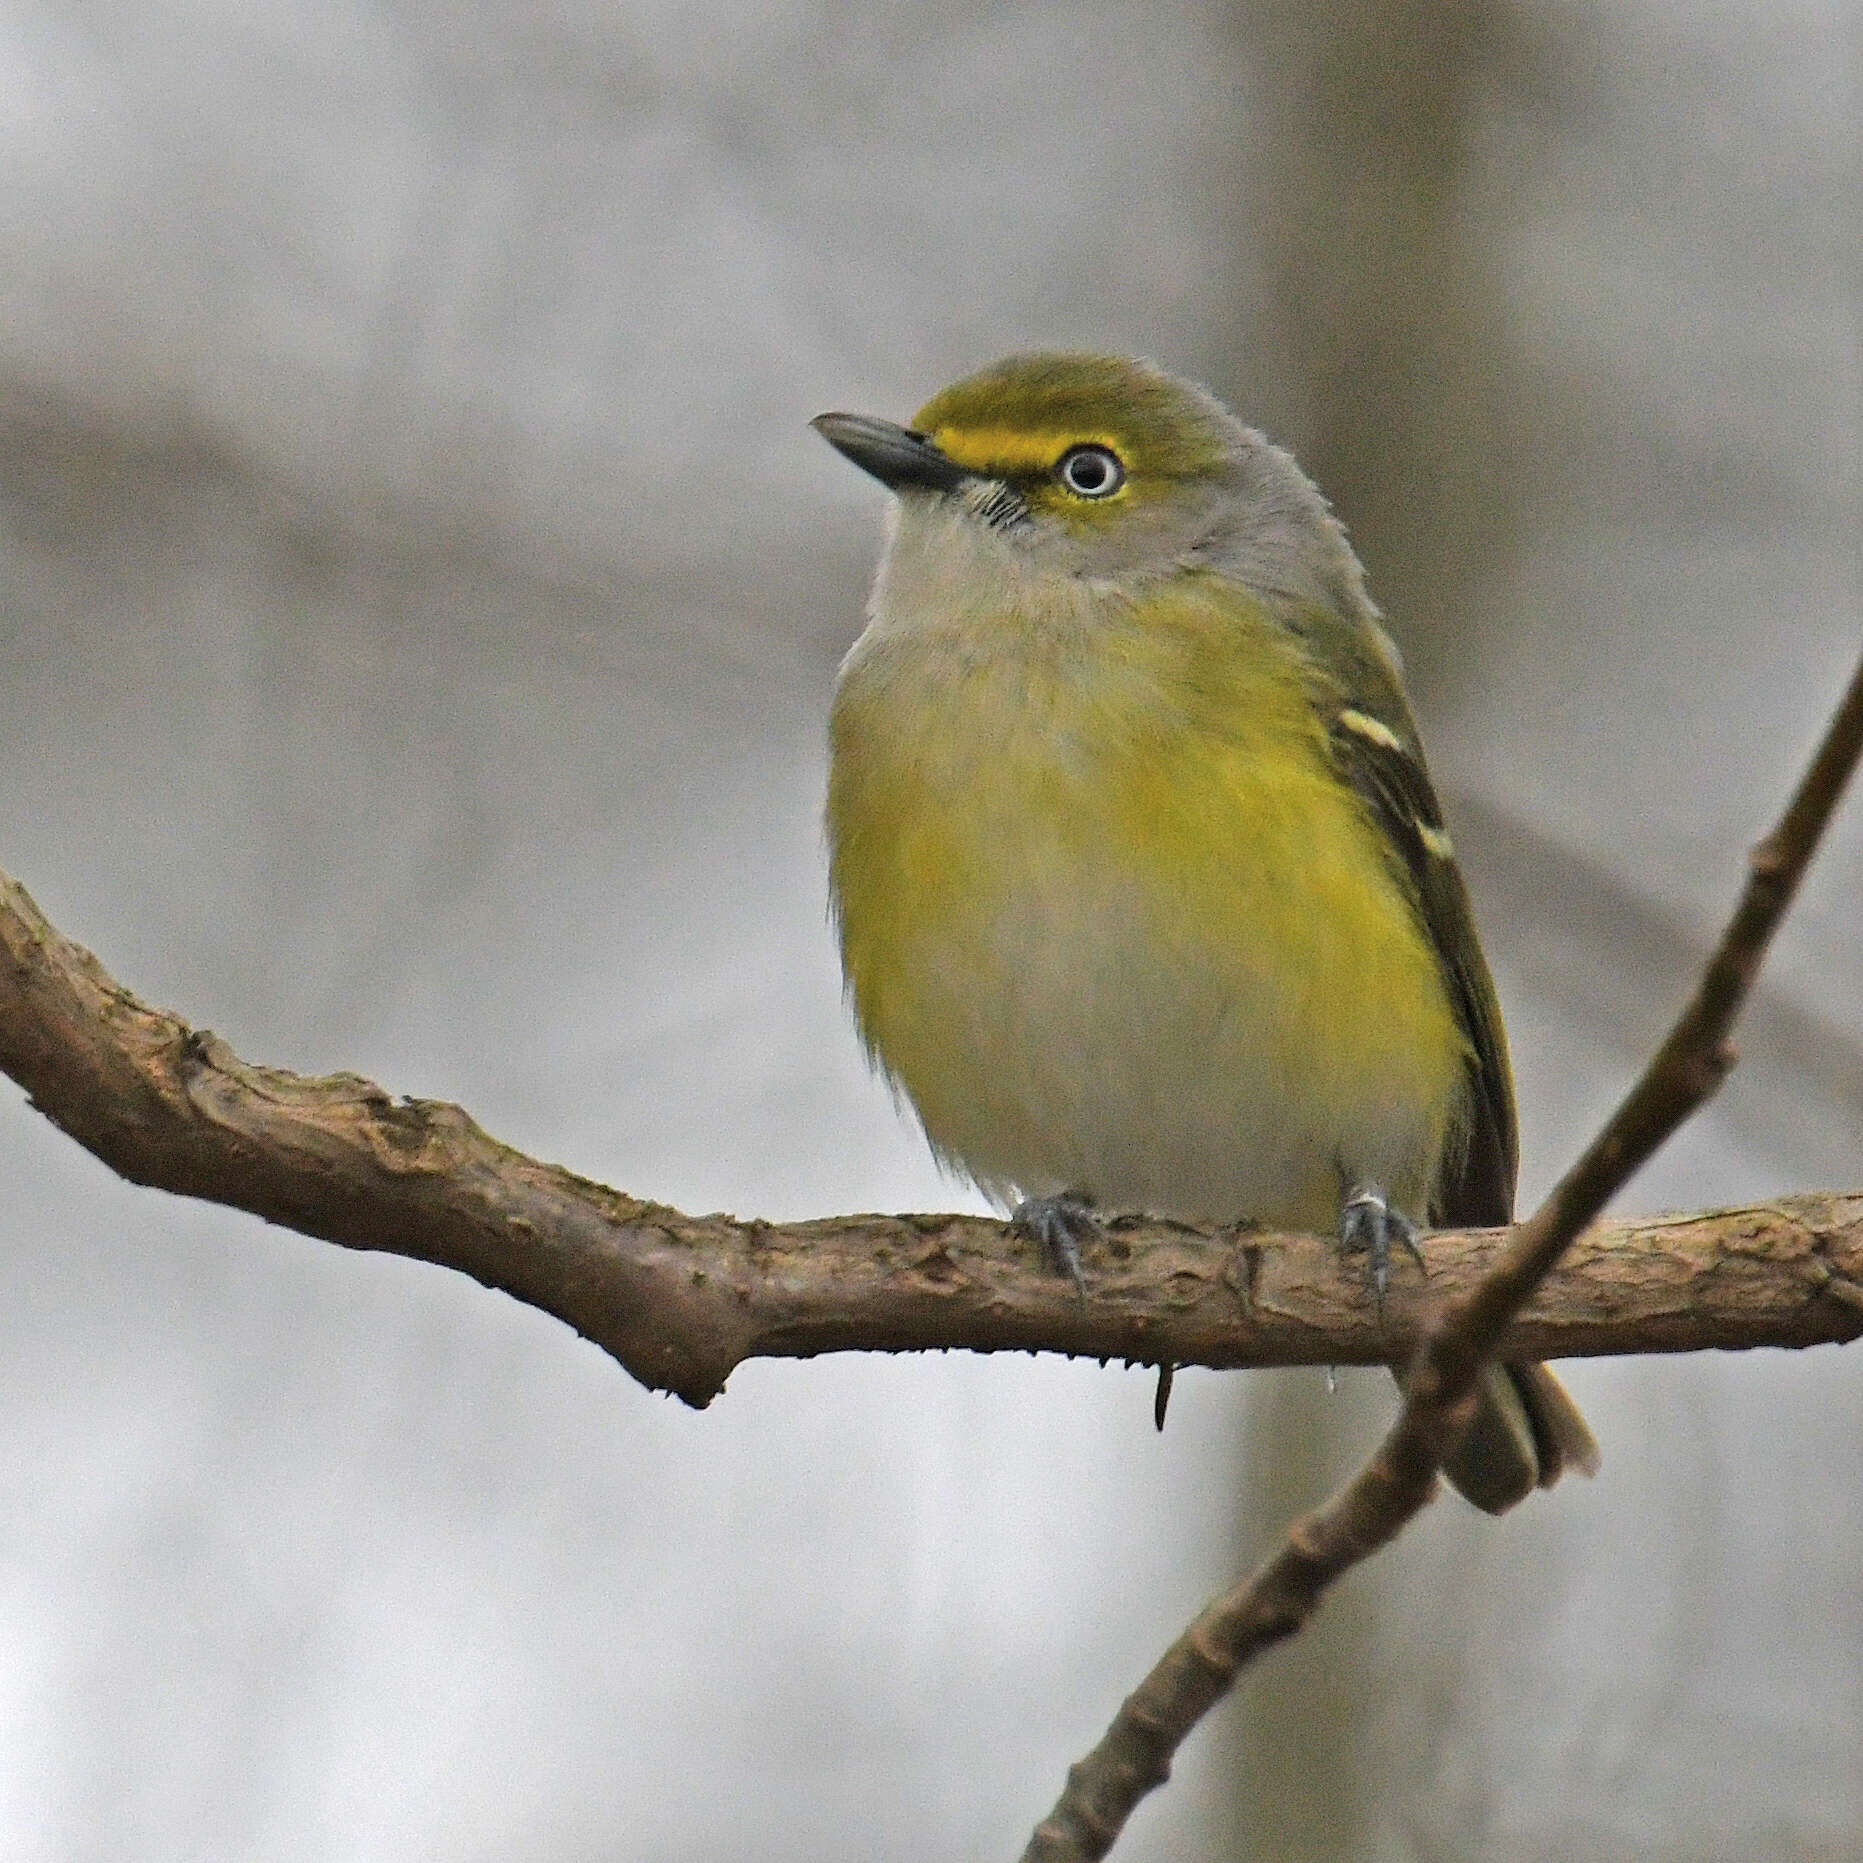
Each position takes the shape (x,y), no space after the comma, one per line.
(1142,886)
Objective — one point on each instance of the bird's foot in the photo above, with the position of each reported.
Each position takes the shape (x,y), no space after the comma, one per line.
(1370,1226)
(1062,1225)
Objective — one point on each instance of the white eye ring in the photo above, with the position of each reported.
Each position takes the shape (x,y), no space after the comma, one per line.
(1091,471)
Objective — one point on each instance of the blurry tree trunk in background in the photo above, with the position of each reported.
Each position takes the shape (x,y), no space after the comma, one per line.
(1378,350)
(1387,362)
(1296,1741)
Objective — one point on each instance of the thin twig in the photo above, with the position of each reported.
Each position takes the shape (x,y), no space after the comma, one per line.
(1134,1756)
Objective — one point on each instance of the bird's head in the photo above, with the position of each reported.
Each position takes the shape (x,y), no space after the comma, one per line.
(1102,467)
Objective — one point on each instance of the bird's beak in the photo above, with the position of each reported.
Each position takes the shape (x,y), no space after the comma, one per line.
(896,456)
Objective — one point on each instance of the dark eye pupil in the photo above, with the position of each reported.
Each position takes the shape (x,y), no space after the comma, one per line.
(1091,471)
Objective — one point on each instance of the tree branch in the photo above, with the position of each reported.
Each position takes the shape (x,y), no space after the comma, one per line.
(1134,1756)
(681,1300)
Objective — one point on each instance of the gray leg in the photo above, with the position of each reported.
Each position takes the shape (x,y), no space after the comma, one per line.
(1063,1225)
(1369,1226)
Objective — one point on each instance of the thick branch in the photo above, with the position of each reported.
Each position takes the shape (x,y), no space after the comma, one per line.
(680,1300)
(1134,1756)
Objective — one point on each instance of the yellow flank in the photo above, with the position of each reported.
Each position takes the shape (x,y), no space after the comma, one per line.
(1113,921)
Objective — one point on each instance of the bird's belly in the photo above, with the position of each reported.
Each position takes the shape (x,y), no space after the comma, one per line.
(1106,941)
(1069,1051)
(1240,1047)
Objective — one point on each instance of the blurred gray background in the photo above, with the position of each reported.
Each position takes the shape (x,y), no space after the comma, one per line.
(419,598)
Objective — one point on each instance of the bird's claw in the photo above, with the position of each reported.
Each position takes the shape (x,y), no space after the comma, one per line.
(1370,1226)
(1061,1226)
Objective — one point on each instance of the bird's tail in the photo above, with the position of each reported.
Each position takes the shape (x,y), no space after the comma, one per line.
(1527,1432)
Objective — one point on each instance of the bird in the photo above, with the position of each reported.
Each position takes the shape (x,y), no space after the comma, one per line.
(1144,896)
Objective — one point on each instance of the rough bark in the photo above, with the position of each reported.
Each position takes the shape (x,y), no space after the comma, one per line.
(679,1300)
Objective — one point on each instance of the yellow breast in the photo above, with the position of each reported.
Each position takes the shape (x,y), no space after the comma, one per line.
(1113,923)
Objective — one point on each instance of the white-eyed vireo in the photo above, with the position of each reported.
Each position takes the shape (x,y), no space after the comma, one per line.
(1144,896)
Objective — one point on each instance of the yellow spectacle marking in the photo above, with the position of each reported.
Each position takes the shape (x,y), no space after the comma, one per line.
(1367,726)
(1013,449)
